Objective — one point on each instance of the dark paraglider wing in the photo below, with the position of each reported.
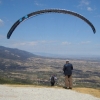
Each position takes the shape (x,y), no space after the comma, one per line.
(49,11)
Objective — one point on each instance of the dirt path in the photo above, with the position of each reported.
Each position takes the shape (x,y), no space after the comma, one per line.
(91,91)
(31,92)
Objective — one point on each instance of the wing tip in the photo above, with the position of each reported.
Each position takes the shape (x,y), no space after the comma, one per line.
(94,31)
(8,37)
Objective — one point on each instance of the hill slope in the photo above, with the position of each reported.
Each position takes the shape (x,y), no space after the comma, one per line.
(15,54)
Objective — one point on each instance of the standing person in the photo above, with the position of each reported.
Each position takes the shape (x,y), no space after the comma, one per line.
(52,80)
(67,68)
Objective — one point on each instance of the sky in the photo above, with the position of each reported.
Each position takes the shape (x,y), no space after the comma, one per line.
(52,33)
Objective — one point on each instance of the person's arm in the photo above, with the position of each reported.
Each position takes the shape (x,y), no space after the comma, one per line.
(55,78)
(72,67)
(63,68)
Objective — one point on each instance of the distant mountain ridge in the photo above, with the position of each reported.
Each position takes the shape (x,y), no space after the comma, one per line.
(15,54)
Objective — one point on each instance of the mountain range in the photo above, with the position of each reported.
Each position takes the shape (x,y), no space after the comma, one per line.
(15,54)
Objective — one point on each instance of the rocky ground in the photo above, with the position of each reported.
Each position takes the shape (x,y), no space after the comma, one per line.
(27,92)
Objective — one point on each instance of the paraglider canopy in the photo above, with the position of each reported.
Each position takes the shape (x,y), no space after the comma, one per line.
(48,11)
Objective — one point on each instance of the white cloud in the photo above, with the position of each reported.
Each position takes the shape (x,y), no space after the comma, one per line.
(1,22)
(25,44)
(66,43)
(85,4)
(89,9)
(31,43)
(85,42)
(37,3)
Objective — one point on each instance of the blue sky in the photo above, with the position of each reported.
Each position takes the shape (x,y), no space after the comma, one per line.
(51,33)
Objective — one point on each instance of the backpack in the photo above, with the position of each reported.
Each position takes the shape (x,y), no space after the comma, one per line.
(52,79)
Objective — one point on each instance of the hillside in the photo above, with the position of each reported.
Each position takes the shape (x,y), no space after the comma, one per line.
(15,54)
(27,68)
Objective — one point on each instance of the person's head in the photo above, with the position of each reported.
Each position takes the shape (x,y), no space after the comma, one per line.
(67,61)
(52,75)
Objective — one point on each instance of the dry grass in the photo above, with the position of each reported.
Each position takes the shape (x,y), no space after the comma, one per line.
(91,91)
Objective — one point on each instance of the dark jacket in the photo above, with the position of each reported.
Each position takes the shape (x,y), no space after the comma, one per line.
(68,69)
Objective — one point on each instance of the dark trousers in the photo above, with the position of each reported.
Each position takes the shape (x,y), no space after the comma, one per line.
(52,83)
